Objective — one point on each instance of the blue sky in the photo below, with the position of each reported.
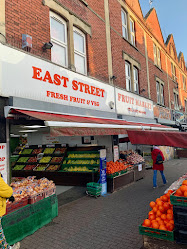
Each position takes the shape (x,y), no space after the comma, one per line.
(172,15)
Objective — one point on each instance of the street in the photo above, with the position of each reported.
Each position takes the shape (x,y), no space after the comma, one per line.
(106,222)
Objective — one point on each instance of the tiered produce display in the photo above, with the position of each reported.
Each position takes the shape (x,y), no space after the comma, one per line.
(81,161)
(40,159)
(28,191)
(118,167)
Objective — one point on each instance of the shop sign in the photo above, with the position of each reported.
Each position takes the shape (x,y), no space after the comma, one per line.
(128,103)
(47,139)
(103,178)
(26,76)
(116,153)
(3,161)
(162,113)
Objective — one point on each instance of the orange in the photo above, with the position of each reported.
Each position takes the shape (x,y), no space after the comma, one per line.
(152,204)
(155,225)
(183,188)
(163,217)
(169,216)
(184,182)
(169,226)
(170,191)
(178,192)
(162,227)
(166,205)
(152,217)
(155,209)
(151,212)
(169,211)
(147,223)
(161,208)
(185,194)
(158,199)
(160,203)
(160,222)
(171,221)
(158,213)
(165,198)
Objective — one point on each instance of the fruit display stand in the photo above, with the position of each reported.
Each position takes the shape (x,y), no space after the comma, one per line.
(76,166)
(26,220)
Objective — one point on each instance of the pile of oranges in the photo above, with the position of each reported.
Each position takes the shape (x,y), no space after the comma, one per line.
(161,215)
(112,167)
(182,191)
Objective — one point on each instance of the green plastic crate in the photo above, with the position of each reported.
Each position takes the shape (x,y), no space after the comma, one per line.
(156,233)
(178,200)
(94,188)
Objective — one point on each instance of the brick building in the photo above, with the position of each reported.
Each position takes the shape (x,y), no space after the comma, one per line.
(108,48)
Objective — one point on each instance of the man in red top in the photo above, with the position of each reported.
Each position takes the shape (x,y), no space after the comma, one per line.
(157,166)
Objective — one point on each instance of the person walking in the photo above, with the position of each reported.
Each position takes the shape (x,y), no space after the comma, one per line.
(5,193)
(158,159)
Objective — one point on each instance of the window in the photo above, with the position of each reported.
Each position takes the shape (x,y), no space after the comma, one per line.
(124,24)
(58,29)
(79,51)
(176,101)
(184,82)
(135,73)
(160,92)
(128,76)
(156,52)
(173,71)
(132,32)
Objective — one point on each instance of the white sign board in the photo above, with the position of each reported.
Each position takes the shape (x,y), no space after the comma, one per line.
(47,139)
(116,153)
(128,103)
(3,161)
(25,76)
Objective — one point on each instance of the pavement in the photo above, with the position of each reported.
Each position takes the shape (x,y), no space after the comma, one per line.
(106,222)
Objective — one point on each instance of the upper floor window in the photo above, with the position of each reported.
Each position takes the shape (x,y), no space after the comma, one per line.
(184,82)
(128,28)
(132,32)
(124,24)
(128,76)
(160,92)
(58,29)
(173,71)
(136,84)
(79,51)
(157,60)
(176,101)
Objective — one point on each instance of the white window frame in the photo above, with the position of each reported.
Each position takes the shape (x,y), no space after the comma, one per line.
(161,94)
(124,25)
(158,58)
(132,32)
(176,101)
(158,91)
(128,77)
(136,83)
(78,31)
(60,43)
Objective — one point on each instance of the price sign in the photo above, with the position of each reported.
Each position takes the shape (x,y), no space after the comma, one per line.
(139,167)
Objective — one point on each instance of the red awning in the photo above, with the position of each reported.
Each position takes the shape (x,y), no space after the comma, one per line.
(173,139)
(88,130)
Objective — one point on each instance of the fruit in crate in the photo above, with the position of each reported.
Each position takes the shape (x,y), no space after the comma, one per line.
(18,167)
(83,155)
(135,158)
(182,190)
(56,160)
(41,167)
(26,151)
(45,159)
(37,151)
(77,169)
(52,167)
(161,215)
(113,167)
(23,159)
(60,150)
(82,161)
(29,167)
(49,150)
(32,160)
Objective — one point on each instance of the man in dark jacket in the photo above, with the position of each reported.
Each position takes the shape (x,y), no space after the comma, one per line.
(157,166)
